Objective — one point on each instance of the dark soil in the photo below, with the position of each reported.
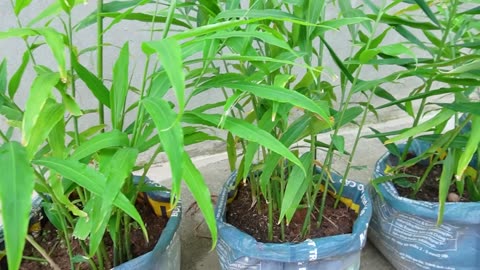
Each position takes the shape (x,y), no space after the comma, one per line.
(242,215)
(430,188)
(51,242)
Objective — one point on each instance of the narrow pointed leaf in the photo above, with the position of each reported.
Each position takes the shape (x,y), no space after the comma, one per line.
(94,84)
(39,92)
(252,133)
(282,95)
(20,5)
(50,115)
(196,184)
(171,136)
(113,138)
(424,6)
(118,94)
(470,148)
(170,55)
(17,76)
(448,169)
(3,76)
(441,117)
(91,180)
(16,188)
(297,185)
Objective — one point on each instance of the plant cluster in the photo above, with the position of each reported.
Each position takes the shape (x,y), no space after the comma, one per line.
(265,63)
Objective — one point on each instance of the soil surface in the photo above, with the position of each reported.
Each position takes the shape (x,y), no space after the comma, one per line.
(242,215)
(430,188)
(51,242)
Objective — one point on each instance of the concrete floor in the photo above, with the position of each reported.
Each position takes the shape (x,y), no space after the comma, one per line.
(196,242)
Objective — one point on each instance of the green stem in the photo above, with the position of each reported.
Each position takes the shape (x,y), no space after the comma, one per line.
(19,23)
(355,144)
(101,112)
(4,137)
(72,77)
(418,116)
(42,252)
(140,112)
(126,236)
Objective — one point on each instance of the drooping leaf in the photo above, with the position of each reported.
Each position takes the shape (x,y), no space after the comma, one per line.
(196,184)
(470,148)
(51,113)
(94,84)
(39,92)
(250,132)
(170,56)
(441,117)
(282,95)
(112,138)
(17,76)
(16,188)
(171,136)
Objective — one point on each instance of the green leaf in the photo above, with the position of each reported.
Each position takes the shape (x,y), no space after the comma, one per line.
(231,151)
(55,41)
(339,142)
(448,169)
(435,92)
(441,117)
(465,107)
(252,133)
(16,188)
(171,136)
(469,67)
(39,93)
(101,141)
(17,76)
(141,17)
(297,185)
(51,113)
(196,184)
(71,105)
(94,84)
(170,55)
(424,6)
(20,5)
(395,20)
(119,168)
(109,7)
(91,180)
(470,148)
(118,94)
(282,95)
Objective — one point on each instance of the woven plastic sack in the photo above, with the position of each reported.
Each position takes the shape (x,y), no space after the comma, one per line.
(238,250)
(405,230)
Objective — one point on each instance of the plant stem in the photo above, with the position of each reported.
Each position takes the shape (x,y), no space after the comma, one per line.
(72,77)
(101,113)
(4,137)
(42,252)
(418,116)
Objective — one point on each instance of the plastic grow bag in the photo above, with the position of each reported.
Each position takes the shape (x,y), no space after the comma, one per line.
(166,253)
(238,250)
(405,230)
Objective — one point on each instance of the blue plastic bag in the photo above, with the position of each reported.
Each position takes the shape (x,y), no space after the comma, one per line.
(238,250)
(405,230)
